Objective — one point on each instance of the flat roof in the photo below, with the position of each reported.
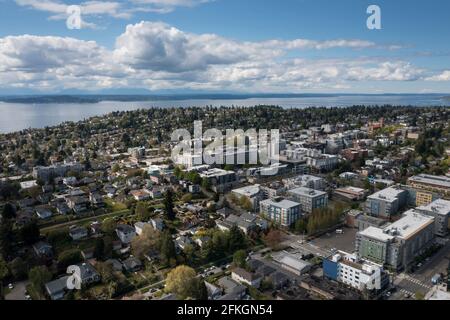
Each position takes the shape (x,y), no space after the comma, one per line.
(285,204)
(429,179)
(376,233)
(389,194)
(307,192)
(248,191)
(411,223)
(439,206)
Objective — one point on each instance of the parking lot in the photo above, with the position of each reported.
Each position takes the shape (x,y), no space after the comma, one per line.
(332,240)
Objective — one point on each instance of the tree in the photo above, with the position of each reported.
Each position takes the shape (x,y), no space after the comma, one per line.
(58,236)
(4,272)
(115,168)
(273,238)
(183,282)
(186,198)
(300,226)
(99,249)
(245,203)
(167,247)
(142,211)
(206,184)
(30,233)
(239,259)
(236,240)
(168,204)
(69,257)
(19,268)
(8,212)
(6,239)
(146,242)
(39,276)
(109,226)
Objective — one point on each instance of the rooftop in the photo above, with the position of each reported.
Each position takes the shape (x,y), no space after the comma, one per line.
(429,179)
(248,191)
(439,206)
(307,192)
(284,204)
(411,223)
(388,194)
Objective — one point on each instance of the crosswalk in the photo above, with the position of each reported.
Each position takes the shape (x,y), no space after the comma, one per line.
(404,291)
(418,282)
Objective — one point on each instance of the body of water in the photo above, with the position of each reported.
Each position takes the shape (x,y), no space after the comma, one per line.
(16,116)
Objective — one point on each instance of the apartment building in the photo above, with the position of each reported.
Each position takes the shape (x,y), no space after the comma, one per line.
(309,199)
(281,211)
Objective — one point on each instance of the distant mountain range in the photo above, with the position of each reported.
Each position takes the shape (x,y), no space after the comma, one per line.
(95,98)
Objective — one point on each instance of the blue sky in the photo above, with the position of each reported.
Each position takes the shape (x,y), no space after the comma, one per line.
(225,46)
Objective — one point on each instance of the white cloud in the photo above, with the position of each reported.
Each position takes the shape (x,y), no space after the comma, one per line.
(158,56)
(444,76)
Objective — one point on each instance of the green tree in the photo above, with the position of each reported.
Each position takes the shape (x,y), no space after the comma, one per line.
(187,198)
(19,268)
(146,242)
(99,249)
(167,247)
(169,205)
(30,233)
(38,277)
(142,211)
(8,212)
(4,272)
(236,240)
(239,259)
(184,283)
(6,239)
(69,257)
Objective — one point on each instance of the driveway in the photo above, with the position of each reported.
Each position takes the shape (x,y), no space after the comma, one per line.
(18,293)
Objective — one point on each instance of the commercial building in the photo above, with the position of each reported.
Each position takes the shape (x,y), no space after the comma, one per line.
(440,211)
(387,202)
(292,263)
(357,273)
(439,184)
(399,243)
(309,199)
(283,212)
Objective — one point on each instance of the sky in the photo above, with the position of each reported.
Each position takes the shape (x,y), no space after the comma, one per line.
(229,46)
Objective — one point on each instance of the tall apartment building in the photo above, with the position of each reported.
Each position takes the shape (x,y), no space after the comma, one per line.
(440,211)
(439,184)
(283,212)
(399,243)
(309,199)
(253,193)
(386,202)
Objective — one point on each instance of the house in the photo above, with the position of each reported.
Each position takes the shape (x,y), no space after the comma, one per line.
(279,280)
(78,204)
(115,264)
(132,264)
(43,212)
(194,188)
(70,181)
(157,223)
(56,289)
(43,249)
(139,227)
(78,233)
(201,241)
(140,195)
(182,241)
(214,292)
(125,233)
(233,290)
(88,275)
(62,208)
(96,200)
(88,253)
(96,227)
(245,277)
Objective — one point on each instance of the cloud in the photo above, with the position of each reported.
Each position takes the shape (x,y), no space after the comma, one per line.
(114,9)
(444,76)
(156,56)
